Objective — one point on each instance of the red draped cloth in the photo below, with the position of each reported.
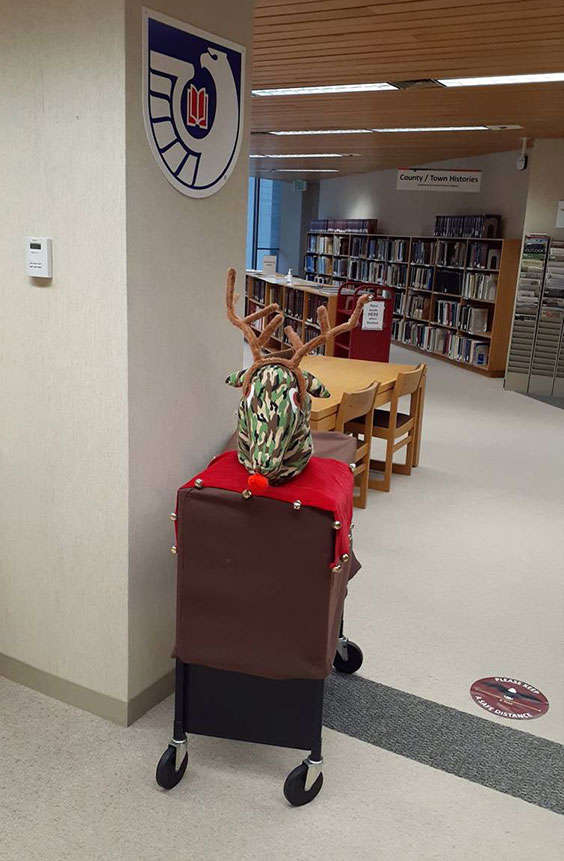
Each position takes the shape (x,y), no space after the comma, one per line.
(324,483)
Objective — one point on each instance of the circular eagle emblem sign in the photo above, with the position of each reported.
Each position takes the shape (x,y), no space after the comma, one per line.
(193,88)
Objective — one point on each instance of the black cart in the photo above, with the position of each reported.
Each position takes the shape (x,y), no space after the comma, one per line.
(258,630)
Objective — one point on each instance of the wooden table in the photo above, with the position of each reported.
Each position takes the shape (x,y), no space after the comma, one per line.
(349,375)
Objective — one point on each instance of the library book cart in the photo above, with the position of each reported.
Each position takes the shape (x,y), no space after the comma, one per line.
(259,614)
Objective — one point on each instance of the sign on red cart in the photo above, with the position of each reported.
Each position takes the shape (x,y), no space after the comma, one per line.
(373,316)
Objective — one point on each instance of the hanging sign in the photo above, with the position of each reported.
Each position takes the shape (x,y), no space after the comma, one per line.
(193,91)
(373,316)
(509,698)
(429,179)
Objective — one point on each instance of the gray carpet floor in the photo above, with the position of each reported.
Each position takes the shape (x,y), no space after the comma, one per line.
(494,755)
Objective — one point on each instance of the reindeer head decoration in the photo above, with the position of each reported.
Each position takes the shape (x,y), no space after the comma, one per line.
(274,436)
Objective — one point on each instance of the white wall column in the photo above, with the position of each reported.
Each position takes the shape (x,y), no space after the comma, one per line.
(111,377)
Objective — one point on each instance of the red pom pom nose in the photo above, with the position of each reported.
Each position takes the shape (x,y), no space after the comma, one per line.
(257,483)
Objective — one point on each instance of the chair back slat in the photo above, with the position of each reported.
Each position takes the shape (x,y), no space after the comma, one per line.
(359,405)
(356,404)
(408,381)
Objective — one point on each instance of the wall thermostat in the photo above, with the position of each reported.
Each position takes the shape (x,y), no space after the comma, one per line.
(39,256)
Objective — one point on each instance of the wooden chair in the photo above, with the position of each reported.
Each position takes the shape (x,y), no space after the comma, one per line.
(355,405)
(391,425)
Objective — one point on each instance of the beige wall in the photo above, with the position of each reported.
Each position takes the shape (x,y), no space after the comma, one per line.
(374,195)
(546,187)
(63,373)
(112,377)
(181,347)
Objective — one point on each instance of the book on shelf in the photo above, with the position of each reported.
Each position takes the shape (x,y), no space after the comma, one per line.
(446,312)
(250,308)
(481,255)
(311,333)
(358,246)
(341,245)
(472,319)
(320,244)
(421,277)
(480,285)
(450,253)
(398,250)
(258,290)
(399,302)
(443,342)
(396,275)
(418,306)
(447,281)
(314,302)
(371,271)
(377,248)
(339,265)
(294,306)
(422,251)
(344,225)
(276,294)
(469,226)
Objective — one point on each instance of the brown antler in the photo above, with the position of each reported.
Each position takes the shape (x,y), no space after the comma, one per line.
(255,342)
(301,349)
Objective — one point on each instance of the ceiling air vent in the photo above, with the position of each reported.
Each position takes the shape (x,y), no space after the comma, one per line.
(418,83)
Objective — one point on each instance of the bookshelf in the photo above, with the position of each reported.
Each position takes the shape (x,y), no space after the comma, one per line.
(453,295)
(298,301)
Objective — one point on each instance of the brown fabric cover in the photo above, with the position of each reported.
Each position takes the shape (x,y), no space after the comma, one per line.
(255,593)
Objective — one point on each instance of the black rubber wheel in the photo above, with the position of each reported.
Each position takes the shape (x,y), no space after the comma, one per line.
(353,662)
(167,775)
(294,787)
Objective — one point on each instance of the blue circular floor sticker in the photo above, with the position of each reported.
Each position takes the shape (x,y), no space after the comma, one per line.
(509,698)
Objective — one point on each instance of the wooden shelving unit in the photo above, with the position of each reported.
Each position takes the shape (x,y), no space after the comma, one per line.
(424,272)
(298,301)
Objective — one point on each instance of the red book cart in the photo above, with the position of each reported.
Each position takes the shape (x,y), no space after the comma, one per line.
(371,338)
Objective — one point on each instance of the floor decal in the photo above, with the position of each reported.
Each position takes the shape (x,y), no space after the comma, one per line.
(509,698)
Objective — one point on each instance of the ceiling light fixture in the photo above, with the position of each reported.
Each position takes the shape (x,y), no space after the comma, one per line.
(332,88)
(540,78)
(326,132)
(412,129)
(304,155)
(435,129)
(303,170)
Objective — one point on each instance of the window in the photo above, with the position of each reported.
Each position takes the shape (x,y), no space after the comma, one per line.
(263,220)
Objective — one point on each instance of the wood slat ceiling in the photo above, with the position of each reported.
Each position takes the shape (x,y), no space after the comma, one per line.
(316,42)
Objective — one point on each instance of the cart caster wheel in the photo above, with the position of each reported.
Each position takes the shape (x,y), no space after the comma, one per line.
(294,786)
(352,663)
(167,775)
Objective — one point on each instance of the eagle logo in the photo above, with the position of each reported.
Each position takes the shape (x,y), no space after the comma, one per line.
(193,90)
